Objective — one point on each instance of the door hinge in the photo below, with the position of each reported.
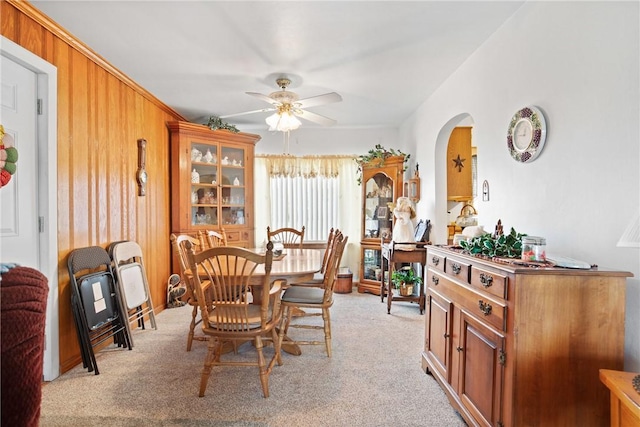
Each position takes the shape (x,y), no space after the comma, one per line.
(39,106)
(502,357)
(41,224)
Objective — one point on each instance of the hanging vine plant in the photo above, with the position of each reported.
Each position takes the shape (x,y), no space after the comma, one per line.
(377,155)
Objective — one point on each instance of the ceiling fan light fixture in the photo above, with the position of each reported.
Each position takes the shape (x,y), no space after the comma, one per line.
(283,121)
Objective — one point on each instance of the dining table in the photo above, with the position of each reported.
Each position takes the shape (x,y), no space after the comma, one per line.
(295,265)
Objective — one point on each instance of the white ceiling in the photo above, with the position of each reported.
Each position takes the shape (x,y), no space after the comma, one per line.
(200,57)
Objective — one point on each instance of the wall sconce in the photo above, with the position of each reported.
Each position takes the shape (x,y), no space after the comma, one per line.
(485,191)
(412,187)
(631,236)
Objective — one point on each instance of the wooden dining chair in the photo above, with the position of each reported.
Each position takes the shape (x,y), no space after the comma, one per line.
(289,237)
(304,297)
(318,277)
(232,273)
(178,243)
(212,238)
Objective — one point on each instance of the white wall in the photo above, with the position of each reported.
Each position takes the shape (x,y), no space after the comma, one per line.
(579,63)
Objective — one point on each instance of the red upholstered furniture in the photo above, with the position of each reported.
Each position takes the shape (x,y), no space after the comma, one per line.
(23,306)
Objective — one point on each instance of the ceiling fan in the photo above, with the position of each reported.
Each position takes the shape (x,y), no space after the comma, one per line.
(287,107)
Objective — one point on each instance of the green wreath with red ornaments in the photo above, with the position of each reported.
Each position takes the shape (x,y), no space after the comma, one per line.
(8,159)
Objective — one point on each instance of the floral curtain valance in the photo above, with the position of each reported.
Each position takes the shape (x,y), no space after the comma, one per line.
(305,166)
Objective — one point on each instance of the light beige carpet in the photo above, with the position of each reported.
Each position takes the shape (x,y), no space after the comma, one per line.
(373,378)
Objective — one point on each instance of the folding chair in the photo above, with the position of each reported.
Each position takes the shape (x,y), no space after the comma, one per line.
(95,302)
(132,283)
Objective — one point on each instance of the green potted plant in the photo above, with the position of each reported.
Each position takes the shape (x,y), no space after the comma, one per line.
(404,280)
(377,155)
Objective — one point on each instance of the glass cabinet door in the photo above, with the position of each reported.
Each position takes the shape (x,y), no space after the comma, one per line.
(371,264)
(378,194)
(217,185)
(232,185)
(204,184)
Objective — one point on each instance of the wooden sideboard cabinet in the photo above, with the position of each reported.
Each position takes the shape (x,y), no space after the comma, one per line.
(625,399)
(212,181)
(522,346)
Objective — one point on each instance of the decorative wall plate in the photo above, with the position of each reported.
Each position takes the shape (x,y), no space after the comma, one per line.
(526,134)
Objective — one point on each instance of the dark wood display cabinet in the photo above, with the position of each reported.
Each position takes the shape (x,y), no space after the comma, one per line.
(381,185)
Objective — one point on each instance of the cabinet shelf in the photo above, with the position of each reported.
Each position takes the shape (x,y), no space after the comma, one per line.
(204,164)
(202,185)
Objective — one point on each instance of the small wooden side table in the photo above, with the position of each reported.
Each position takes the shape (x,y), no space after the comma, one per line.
(625,400)
(391,256)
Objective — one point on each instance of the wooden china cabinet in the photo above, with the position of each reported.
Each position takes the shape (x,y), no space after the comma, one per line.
(381,184)
(212,181)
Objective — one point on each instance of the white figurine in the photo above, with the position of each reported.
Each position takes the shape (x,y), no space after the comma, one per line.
(403,228)
(196,155)
(208,157)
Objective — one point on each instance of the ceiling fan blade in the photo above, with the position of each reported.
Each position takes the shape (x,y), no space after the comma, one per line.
(313,117)
(327,98)
(265,98)
(263,110)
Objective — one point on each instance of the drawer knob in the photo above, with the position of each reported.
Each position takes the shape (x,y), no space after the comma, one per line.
(435,260)
(435,280)
(459,349)
(457,268)
(486,280)
(446,336)
(485,307)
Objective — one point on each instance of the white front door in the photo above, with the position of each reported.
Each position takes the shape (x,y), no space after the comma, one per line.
(19,239)
(28,203)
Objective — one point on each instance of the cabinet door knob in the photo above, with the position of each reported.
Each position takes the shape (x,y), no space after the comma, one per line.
(446,336)
(459,349)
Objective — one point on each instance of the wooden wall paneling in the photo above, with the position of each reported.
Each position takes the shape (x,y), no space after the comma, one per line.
(101,114)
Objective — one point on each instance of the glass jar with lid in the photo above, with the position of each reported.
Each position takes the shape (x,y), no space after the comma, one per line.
(534,248)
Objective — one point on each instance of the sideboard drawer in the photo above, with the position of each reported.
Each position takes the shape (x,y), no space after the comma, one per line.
(436,261)
(489,281)
(488,310)
(457,269)
(233,236)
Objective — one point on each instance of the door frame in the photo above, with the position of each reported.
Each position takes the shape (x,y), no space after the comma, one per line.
(47,147)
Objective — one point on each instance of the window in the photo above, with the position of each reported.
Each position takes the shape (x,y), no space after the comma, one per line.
(312,202)
(319,192)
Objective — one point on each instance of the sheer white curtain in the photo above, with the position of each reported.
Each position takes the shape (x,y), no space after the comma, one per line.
(324,194)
